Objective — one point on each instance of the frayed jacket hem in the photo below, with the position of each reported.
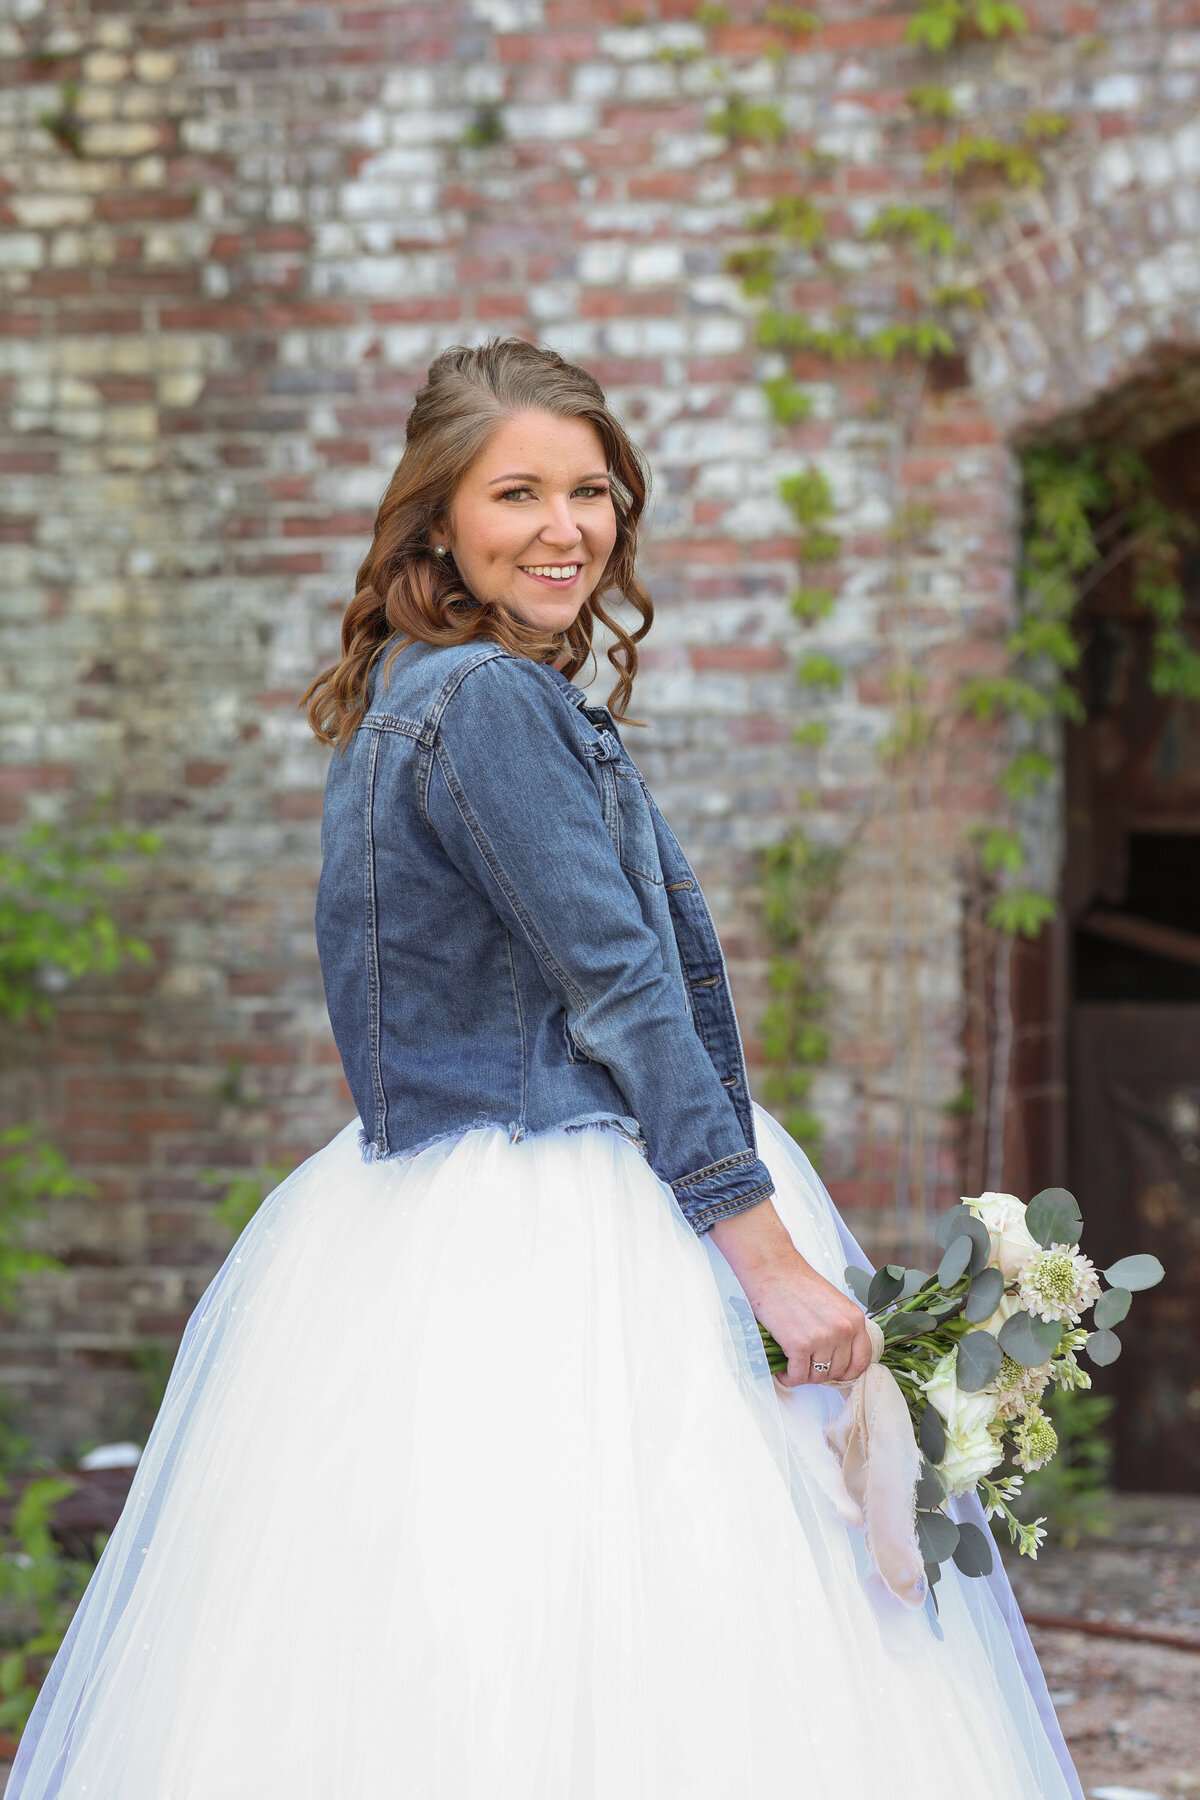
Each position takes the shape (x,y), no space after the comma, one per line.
(515,1130)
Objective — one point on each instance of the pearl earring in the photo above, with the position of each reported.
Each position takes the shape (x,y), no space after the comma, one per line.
(440,549)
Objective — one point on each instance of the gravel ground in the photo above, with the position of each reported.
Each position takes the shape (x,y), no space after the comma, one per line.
(1130,1711)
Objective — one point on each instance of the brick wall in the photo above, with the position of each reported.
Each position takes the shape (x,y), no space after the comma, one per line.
(233,236)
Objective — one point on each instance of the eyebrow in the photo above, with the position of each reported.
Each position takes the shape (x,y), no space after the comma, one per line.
(524,475)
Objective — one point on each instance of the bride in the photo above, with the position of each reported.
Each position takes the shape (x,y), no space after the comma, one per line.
(470,1482)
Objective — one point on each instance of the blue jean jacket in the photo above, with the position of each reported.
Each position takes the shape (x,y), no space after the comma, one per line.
(510,934)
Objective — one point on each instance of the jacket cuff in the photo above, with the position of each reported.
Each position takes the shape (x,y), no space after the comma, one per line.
(731,1186)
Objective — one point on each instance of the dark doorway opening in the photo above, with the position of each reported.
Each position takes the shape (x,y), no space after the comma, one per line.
(1130,987)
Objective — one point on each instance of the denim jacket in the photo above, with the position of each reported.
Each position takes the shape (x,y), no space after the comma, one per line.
(510,934)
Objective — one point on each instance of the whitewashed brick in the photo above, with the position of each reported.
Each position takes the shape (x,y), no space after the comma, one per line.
(554,120)
(21,250)
(650,265)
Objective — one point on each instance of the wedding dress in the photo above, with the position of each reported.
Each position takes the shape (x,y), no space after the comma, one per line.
(471,1483)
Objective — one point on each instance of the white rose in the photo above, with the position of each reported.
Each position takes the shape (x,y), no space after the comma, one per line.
(971,1450)
(969,1456)
(959,1411)
(1012,1241)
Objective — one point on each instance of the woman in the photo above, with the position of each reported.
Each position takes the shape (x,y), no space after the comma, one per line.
(469,1483)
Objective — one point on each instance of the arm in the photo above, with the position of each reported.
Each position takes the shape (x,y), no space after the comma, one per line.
(517,811)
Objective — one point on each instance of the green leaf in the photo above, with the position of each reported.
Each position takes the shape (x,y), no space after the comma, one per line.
(815,670)
(885,1286)
(1053,1217)
(937,1536)
(1112,1307)
(973,1551)
(1103,1347)
(978,1361)
(931,1434)
(954,1260)
(983,1295)
(898,1327)
(811,604)
(1025,774)
(1021,912)
(950,1225)
(1029,1341)
(1000,848)
(1135,1272)
(931,1489)
(807,495)
(859,1283)
(788,401)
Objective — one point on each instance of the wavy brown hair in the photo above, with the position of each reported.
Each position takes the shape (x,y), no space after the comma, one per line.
(404,593)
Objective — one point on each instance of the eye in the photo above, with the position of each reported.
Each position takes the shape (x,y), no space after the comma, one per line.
(513,492)
(592,490)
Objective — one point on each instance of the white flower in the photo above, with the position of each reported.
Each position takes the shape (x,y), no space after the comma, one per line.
(1035,1439)
(1058,1283)
(970,1455)
(1012,1241)
(1064,1369)
(1018,1388)
(972,1450)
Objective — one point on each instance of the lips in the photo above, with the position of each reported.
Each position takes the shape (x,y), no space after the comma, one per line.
(552,574)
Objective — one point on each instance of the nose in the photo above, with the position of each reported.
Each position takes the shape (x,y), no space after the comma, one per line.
(560,531)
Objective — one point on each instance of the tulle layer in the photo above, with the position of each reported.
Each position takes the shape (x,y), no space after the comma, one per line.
(470,1484)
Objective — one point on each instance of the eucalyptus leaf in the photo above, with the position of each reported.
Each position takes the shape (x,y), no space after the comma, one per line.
(1112,1307)
(937,1536)
(1136,1272)
(1103,1347)
(946,1307)
(951,1225)
(933,1574)
(885,1285)
(931,1489)
(859,1282)
(973,1551)
(954,1260)
(1029,1341)
(1053,1217)
(914,1281)
(931,1434)
(978,1361)
(983,1295)
(898,1327)
(981,1237)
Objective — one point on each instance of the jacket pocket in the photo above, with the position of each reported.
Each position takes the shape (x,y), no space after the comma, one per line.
(636,842)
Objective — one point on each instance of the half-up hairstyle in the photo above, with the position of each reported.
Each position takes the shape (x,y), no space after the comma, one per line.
(404,593)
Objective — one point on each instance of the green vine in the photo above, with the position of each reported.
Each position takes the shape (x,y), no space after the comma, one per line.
(1085,508)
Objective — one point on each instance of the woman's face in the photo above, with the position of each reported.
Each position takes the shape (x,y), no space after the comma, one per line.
(532,524)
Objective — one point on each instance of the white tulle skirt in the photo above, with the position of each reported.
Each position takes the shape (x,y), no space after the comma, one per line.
(470,1484)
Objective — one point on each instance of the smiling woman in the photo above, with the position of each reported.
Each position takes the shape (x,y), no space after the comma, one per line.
(511,517)
(536,537)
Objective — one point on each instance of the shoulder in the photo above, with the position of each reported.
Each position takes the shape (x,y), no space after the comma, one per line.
(504,696)
(430,685)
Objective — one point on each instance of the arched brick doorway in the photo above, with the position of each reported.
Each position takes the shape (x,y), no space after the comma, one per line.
(1105,1068)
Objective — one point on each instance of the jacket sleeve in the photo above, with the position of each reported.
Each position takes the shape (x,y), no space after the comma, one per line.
(519,814)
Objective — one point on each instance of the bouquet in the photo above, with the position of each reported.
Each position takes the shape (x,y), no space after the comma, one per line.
(973,1348)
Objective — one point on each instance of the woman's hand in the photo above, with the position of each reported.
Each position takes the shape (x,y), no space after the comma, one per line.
(811,1320)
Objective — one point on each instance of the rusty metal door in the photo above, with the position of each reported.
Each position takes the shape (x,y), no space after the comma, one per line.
(1135,1166)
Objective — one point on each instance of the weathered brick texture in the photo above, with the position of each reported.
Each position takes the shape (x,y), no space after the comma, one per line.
(233,236)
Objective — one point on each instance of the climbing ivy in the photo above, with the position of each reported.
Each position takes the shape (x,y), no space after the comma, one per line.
(1084,507)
